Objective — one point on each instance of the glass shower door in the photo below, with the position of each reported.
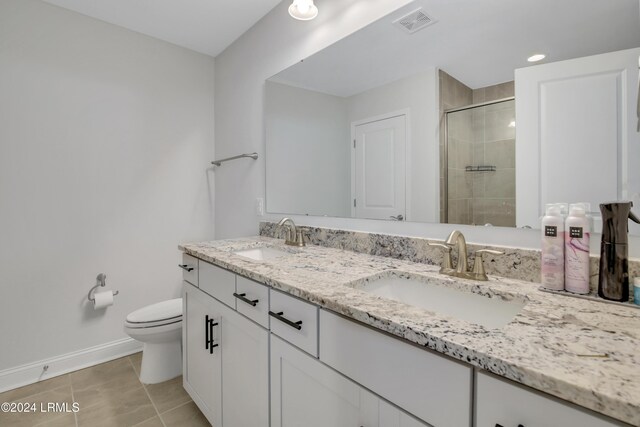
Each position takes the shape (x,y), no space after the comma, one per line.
(480,148)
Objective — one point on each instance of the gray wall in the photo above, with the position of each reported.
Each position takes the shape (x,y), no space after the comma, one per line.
(105,138)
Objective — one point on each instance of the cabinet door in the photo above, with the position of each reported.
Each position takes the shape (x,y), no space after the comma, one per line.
(390,416)
(245,370)
(501,403)
(201,366)
(304,392)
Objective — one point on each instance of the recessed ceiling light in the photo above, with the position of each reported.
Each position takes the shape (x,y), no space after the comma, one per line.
(303,10)
(537,57)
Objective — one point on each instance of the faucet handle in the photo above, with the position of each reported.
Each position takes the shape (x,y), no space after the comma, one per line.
(478,265)
(299,238)
(446,260)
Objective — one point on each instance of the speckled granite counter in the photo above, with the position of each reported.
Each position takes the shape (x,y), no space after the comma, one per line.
(546,347)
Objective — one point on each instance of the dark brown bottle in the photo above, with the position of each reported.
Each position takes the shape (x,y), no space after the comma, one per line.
(613,282)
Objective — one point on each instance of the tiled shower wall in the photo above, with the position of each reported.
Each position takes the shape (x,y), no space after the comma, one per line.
(494,145)
(481,136)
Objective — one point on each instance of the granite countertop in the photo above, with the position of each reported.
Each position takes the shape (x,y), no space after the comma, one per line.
(555,344)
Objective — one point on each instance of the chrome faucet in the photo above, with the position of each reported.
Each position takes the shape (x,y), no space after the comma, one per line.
(294,236)
(456,240)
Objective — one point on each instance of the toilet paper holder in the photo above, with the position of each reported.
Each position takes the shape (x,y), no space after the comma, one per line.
(101,281)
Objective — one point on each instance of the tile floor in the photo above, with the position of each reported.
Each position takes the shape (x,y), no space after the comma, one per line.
(109,395)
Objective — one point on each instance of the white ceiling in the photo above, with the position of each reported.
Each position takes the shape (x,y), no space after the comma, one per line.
(479,42)
(206,26)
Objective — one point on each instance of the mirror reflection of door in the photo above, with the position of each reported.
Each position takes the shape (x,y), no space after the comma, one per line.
(379,169)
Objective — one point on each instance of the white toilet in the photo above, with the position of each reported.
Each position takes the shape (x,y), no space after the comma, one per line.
(159,327)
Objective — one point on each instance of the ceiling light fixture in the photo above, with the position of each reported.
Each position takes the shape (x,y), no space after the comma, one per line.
(537,57)
(303,10)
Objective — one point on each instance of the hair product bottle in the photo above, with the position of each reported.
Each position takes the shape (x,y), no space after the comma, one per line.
(576,251)
(552,263)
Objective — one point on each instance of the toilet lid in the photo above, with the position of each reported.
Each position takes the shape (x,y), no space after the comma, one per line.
(165,310)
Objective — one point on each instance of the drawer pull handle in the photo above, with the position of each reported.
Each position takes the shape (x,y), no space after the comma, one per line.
(297,325)
(500,425)
(185,267)
(209,324)
(242,297)
(207,341)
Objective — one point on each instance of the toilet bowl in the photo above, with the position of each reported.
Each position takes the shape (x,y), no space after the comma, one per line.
(159,327)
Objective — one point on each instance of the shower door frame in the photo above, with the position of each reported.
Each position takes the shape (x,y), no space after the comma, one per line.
(445,160)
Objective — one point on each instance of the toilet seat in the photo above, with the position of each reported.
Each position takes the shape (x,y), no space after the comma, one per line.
(155,315)
(146,325)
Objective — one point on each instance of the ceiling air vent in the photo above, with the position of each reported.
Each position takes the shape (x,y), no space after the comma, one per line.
(414,21)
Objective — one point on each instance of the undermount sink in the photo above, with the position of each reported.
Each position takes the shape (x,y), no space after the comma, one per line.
(490,312)
(262,254)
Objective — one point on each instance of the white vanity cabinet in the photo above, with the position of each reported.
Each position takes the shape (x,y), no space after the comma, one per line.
(501,403)
(306,392)
(433,388)
(390,416)
(217,282)
(244,349)
(259,357)
(226,355)
(295,321)
(189,268)
(202,367)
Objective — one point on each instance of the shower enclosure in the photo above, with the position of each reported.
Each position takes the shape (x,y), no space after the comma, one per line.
(479,164)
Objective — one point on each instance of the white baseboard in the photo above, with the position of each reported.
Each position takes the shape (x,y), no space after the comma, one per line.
(34,372)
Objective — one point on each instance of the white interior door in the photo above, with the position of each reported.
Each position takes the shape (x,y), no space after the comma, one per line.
(379,169)
(575,141)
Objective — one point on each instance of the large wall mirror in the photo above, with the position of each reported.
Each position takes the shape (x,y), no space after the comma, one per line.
(438,113)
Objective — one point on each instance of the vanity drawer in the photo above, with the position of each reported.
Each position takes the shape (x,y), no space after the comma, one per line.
(218,283)
(431,387)
(189,268)
(255,293)
(499,402)
(286,311)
